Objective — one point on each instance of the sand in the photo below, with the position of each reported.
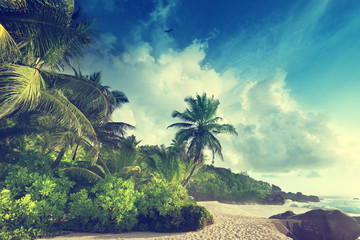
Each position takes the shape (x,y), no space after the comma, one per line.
(245,222)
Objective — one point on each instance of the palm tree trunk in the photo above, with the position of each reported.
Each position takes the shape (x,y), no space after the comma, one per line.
(58,159)
(188,178)
(76,150)
(196,159)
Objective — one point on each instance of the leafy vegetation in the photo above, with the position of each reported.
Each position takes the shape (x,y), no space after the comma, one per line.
(65,165)
(220,184)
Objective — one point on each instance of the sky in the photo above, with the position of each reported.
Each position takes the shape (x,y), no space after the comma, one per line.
(286,73)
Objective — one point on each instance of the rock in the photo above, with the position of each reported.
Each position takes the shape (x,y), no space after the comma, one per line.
(274,199)
(342,226)
(294,227)
(299,197)
(284,215)
(279,197)
(357,219)
(281,228)
(321,224)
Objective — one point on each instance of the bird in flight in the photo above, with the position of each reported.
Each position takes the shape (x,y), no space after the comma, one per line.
(169,30)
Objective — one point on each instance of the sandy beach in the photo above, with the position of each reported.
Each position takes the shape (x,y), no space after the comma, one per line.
(231,222)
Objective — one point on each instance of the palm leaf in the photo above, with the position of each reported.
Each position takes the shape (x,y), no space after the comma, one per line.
(84,173)
(8,47)
(45,29)
(69,116)
(20,88)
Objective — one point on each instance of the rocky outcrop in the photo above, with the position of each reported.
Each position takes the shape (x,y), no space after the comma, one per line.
(299,197)
(320,224)
(274,198)
(284,215)
(278,197)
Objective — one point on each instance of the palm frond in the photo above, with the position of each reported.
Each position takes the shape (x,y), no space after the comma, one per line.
(186,116)
(84,173)
(95,100)
(8,47)
(223,128)
(45,29)
(185,134)
(181,125)
(69,116)
(20,88)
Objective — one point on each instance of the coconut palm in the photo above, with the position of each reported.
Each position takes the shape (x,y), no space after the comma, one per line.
(36,38)
(99,109)
(199,128)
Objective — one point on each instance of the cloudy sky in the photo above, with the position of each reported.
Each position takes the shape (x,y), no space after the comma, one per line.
(287,74)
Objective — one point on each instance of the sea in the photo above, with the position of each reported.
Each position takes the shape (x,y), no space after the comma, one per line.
(346,204)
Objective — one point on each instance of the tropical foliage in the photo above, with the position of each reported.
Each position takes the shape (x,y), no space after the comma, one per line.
(220,184)
(199,127)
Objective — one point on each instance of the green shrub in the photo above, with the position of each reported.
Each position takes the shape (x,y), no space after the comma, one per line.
(164,207)
(195,218)
(32,205)
(109,207)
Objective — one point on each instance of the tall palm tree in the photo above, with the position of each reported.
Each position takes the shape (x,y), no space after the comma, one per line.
(199,128)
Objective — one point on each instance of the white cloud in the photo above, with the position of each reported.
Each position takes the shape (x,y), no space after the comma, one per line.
(275,134)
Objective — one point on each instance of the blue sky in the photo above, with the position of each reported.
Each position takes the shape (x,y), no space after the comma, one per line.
(286,74)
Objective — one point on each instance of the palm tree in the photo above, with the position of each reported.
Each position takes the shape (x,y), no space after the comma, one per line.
(199,127)
(99,110)
(35,37)
(117,158)
(163,161)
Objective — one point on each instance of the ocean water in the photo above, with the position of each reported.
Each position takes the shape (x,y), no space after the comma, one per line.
(346,204)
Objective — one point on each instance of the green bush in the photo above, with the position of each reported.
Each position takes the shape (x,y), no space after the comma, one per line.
(195,218)
(32,205)
(159,206)
(109,207)
(37,204)
(164,207)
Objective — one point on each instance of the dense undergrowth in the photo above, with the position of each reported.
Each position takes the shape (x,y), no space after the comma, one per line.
(220,184)
(36,203)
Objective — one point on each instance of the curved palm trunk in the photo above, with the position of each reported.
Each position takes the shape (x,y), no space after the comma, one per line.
(188,178)
(76,150)
(58,159)
(196,159)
